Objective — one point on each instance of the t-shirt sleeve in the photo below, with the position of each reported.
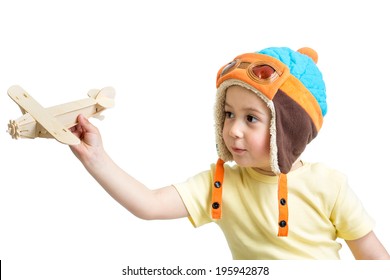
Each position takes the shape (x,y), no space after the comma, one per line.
(196,195)
(349,216)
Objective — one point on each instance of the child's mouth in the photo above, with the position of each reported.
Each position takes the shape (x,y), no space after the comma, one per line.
(238,150)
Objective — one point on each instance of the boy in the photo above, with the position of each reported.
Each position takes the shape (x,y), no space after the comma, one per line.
(269,106)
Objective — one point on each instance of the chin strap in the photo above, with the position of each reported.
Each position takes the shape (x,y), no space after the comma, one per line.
(283,207)
(216,199)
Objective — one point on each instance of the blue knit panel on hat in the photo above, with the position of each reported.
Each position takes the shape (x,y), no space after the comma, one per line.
(304,69)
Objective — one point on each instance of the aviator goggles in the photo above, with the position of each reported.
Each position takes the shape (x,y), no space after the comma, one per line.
(260,71)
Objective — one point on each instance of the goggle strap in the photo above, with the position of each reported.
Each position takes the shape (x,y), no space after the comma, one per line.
(216,200)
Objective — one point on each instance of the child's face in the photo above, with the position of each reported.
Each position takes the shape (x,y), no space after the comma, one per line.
(246,128)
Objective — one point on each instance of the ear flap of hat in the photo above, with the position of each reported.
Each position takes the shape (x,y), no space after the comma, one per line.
(294,130)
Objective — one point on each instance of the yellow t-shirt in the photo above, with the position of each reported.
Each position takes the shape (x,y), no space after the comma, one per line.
(321,207)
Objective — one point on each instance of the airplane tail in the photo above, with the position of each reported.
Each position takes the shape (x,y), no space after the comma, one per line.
(104,97)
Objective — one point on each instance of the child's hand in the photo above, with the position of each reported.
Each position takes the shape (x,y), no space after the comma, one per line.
(91,146)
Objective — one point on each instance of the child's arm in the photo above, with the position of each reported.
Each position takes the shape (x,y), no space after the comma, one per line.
(368,248)
(164,203)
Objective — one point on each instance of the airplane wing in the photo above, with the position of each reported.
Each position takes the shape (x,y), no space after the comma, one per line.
(53,126)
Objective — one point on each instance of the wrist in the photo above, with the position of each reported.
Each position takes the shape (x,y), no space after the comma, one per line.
(96,161)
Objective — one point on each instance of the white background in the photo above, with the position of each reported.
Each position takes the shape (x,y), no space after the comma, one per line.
(56,222)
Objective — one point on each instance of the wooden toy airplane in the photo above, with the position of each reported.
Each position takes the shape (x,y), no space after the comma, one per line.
(54,122)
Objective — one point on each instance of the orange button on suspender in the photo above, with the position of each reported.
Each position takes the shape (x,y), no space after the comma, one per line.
(216,198)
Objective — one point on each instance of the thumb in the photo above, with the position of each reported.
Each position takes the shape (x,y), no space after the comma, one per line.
(85,123)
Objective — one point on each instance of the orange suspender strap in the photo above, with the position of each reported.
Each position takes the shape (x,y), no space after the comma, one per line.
(283,207)
(216,198)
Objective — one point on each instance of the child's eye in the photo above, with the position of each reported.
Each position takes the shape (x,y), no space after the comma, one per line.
(251,119)
(229,115)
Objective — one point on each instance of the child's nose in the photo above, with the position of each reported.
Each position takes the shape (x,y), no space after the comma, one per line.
(236,130)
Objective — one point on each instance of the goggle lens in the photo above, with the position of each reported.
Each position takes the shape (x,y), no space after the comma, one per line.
(228,67)
(263,72)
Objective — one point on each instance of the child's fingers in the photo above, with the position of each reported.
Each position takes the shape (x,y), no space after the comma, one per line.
(85,124)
